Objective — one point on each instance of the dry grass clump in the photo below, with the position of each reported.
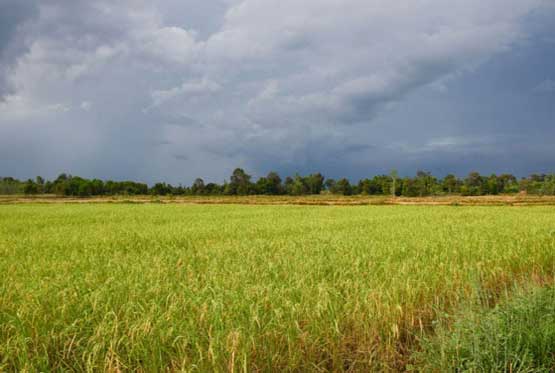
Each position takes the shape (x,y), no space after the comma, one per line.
(308,200)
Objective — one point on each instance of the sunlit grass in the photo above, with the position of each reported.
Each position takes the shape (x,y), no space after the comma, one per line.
(234,288)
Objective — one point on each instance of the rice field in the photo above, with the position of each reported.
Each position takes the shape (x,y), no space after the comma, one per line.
(237,288)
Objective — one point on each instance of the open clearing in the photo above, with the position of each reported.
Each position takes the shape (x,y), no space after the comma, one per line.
(190,287)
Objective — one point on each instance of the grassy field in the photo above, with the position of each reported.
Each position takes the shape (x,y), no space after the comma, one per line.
(154,287)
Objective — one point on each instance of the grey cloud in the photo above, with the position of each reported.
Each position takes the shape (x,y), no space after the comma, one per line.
(181,157)
(14,14)
(357,148)
(256,83)
(547,86)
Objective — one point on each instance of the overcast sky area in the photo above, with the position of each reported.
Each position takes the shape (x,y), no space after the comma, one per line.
(171,90)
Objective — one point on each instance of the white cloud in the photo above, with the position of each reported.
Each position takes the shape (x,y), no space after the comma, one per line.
(168,44)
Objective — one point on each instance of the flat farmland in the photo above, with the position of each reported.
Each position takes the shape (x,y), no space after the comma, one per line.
(190,287)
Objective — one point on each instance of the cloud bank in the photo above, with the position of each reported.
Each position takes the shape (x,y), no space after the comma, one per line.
(172,90)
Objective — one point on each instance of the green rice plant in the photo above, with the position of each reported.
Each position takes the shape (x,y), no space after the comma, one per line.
(518,335)
(197,288)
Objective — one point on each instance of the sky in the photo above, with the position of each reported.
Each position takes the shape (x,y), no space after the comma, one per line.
(172,90)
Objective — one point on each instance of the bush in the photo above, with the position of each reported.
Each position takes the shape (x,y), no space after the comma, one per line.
(516,336)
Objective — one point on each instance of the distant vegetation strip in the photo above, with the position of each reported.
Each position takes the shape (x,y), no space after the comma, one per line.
(240,183)
(308,200)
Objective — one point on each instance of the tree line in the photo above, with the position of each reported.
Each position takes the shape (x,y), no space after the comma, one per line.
(240,183)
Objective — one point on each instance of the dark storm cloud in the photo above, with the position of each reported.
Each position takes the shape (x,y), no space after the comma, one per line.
(177,89)
(13,16)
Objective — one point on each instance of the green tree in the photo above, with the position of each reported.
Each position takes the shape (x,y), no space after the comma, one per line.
(394,176)
(315,183)
(9,185)
(299,186)
(40,184)
(30,187)
(198,186)
(329,184)
(343,186)
(474,184)
(273,185)
(409,188)
(269,185)
(97,187)
(549,185)
(450,184)
(492,185)
(425,183)
(507,183)
(161,189)
(85,189)
(382,184)
(214,189)
(239,183)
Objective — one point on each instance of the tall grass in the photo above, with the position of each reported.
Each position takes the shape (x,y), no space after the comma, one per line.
(518,335)
(250,288)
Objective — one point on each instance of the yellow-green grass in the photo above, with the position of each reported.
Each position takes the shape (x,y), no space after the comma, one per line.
(314,200)
(153,287)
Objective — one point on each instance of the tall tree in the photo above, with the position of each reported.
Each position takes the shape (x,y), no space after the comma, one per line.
(198,186)
(394,177)
(492,185)
(450,183)
(271,184)
(315,183)
(240,182)
(298,187)
(474,184)
(31,187)
(425,183)
(343,186)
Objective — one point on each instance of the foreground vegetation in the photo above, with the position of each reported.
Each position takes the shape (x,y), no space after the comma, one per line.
(516,336)
(89,287)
